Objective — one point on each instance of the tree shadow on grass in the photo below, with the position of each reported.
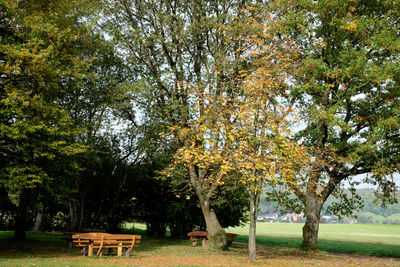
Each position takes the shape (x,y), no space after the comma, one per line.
(49,245)
(38,244)
(335,246)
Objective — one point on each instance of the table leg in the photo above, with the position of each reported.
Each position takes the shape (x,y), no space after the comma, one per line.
(83,251)
(119,249)
(90,250)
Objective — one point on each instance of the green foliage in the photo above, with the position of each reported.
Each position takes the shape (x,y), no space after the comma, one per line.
(161,202)
(349,83)
(392,219)
(51,64)
(283,201)
(34,131)
(369,217)
(347,202)
(346,85)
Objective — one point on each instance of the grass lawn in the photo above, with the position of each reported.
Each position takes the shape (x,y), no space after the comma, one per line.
(364,239)
(47,249)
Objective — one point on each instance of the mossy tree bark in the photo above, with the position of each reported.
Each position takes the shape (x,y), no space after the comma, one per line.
(216,234)
(311,227)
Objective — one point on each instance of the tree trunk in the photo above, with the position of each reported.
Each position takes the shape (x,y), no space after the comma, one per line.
(82,213)
(38,221)
(39,216)
(73,212)
(117,194)
(22,212)
(216,234)
(311,227)
(254,202)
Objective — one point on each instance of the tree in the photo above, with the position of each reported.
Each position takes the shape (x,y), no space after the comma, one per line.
(38,61)
(347,88)
(187,65)
(264,149)
(70,68)
(96,107)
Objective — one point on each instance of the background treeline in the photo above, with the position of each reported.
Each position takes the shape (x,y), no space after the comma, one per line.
(371,212)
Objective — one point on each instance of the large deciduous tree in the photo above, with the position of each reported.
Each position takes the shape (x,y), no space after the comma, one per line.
(40,63)
(347,86)
(187,66)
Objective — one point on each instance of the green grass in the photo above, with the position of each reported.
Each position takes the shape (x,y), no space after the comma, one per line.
(277,247)
(47,249)
(365,239)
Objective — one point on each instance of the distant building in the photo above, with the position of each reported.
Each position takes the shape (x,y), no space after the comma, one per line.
(271,216)
(293,217)
(260,218)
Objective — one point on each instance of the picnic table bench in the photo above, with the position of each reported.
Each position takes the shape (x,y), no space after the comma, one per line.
(101,241)
(203,236)
(67,236)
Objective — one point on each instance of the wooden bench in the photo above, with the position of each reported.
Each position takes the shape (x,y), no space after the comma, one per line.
(198,235)
(203,236)
(67,236)
(84,240)
(230,237)
(114,241)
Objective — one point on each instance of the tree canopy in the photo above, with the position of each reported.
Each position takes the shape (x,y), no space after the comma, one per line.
(179,113)
(347,89)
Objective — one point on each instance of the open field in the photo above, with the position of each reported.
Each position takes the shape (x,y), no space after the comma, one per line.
(365,239)
(47,249)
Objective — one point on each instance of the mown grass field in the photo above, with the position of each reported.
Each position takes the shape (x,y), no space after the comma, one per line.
(365,239)
(47,249)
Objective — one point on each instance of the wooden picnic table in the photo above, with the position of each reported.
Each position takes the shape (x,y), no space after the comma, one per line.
(203,237)
(67,236)
(100,241)
(85,241)
(198,235)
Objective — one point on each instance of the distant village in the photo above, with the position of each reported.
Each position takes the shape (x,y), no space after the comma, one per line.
(300,218)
